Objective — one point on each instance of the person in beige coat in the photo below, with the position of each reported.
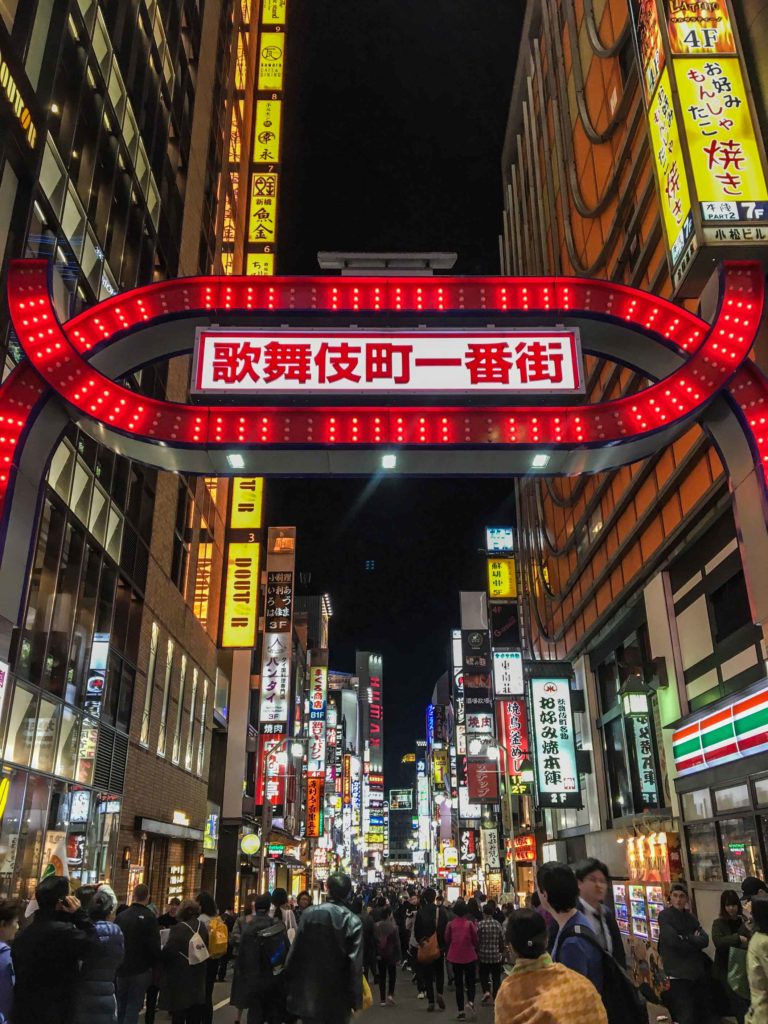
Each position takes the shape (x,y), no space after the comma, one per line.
(757,963)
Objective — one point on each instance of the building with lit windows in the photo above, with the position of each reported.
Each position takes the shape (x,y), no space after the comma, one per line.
(636,576)
(108,154)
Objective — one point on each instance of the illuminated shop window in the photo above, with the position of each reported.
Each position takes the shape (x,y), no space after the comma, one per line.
(176,755)
(144,738)
(191,734)
(201,744)
(202,587)
(166,699)
(241,61)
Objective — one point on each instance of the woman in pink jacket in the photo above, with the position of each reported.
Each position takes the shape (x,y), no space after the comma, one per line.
(461,951)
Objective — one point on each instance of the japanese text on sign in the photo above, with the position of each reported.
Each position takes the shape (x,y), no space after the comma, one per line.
(271,61)
(646,762)
(649,45)
(262,218)
(507,673)
(267,133)
(275,678)
(513,731)
(257,361)
(557,775)
(315,795)
(670,170)
(502,578)
(279,602)
(727,168)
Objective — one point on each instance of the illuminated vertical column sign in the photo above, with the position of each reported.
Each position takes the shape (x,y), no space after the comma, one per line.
(241,577)
(707,153)
(264,171)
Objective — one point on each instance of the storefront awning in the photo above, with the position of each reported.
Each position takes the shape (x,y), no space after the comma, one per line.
(167,828)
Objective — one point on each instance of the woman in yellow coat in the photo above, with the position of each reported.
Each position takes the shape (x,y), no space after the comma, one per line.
(539,991)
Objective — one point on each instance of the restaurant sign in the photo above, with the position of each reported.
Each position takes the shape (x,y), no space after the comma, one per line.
(557,777)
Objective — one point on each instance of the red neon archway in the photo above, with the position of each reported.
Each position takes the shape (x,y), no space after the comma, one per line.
(58,359)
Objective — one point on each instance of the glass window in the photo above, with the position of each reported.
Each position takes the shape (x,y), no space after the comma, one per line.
(69,741)
(191,733)
(738,838)
(144,738)
(730,607)
(34,817)
(697,805)
(608,683)
(53,177)
(704,853)
(60,473)
(731,797)
(176,755)
(161,736)
(10,830)
(617,760)
(21,726)
(203,716)
(45,735)
(86,753)
(221,695)
(761,791)
(37,622)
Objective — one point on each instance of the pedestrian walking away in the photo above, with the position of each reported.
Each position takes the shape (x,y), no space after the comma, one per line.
(431,921)
(141,932)
(324,972)
(257,982)
(461,943)
(490,951)
(184,960)
(10,914)
(559,895)
(388,951)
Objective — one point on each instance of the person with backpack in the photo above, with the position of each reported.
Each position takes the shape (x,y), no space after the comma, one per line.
(490,950)
(324,972)
(682,942)
(257,982)
(594,882)
(283,912)
(184,957)
(388,951)
(539,990)
(218,943)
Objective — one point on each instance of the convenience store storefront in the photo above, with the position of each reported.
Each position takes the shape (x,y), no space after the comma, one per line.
(721,759)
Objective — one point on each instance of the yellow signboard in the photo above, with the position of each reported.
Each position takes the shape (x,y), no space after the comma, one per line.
(727,168)
(266,147)
(502,578)
(260,264)
(703,27)
(670,169)
(262,218)
(247,493)
(274,12)
(271,61)
(241,596)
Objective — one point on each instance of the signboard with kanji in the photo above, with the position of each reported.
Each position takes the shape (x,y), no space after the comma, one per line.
(483,782)
(669,164)
(315,793)
(512,718)
(508,673)
(700,27)
(425,362)
(557,777)
(502,578)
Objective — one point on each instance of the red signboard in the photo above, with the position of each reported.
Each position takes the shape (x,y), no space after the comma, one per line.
(271,770)
(347,780)
(512,724)
(315,797)
(482,781)
(523,848)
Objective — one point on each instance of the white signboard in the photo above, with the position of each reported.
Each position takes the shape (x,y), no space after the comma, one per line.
(466,808)
(275,678)
(508,673)
(556,774)
(315,362)
(500,538)
(489,849)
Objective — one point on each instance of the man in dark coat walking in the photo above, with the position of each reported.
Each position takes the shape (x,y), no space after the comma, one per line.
(324,973)
(142,954)
(255,986)
(46,955)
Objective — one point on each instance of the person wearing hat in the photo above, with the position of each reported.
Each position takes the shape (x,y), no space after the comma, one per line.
(254,988)
(96,1001)
(46,956)
(324,973)
(538,989)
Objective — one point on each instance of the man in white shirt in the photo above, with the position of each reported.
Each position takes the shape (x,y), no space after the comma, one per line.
(594,883)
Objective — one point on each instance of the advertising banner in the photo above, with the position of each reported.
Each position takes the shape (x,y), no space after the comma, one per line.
(315,808)
(556,776)
(483,781)
(502,578)
(274,704)
(318,690)
(239,619)
(700,27)
(500,538)
(505,624)
(271,770)
(650,45)
(508,673)
(489,849)
(667,153)
(512,720)
(467,846)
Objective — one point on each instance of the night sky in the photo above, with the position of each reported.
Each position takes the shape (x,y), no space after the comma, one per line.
(395,117)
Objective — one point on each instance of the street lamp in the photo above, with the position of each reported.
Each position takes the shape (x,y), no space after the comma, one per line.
(297,749)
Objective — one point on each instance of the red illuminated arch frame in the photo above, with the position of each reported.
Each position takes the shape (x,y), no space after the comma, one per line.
(699,369)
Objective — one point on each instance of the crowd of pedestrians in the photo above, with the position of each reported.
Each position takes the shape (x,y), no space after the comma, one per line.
(82,959)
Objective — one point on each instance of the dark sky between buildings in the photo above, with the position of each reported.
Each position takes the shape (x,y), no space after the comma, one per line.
(395,117)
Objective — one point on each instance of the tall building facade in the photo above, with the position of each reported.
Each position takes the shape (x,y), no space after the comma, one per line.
(108,155)
(638,576)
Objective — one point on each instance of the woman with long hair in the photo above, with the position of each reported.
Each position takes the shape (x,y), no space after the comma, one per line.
(729,931)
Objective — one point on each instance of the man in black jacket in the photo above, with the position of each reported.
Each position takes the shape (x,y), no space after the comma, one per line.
(430,919)
(255,987)
(141,930)
(324,973)
(46,956)
(682,942)
(594,882)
